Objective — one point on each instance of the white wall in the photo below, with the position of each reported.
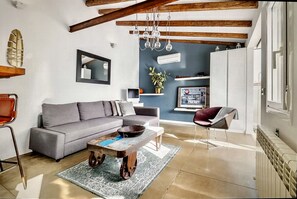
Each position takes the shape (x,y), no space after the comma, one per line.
(287,128)
(50,60)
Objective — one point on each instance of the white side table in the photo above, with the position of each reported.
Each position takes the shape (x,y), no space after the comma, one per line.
(158,139)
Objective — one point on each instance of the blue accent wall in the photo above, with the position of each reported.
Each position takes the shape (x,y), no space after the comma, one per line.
(194,58)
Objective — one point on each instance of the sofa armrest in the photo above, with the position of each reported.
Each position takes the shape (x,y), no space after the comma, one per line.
(149,111)
(49,143)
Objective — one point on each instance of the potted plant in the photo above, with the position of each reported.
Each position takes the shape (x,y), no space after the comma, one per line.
(158,79)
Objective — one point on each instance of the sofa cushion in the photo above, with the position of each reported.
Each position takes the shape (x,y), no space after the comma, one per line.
(141,120)
(114,108)
(86,128)
(107,108)
(58,114)
(91,110)
(117,103)
(127,108)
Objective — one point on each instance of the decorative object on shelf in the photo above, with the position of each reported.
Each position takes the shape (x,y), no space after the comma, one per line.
(152,34)
(238,45)
(192,97)
(201,74)
(158,79)
(140,91)
(15,49)
(182,76)
(217,48)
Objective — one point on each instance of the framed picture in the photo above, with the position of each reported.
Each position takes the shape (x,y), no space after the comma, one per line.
(193,97)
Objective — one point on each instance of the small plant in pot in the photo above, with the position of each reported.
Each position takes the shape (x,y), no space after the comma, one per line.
(158,79)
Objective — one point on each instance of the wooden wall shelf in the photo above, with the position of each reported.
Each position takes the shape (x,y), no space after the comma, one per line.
(7,72)
(151,94)
(191,78)
(186,109)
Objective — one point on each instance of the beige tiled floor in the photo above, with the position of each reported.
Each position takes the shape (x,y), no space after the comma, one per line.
(226,171)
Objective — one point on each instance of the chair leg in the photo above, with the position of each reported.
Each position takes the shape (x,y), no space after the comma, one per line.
(226,136)
(208,138)
(24,180)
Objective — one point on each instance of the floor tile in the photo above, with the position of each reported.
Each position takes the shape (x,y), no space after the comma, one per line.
(189,186)
(4,193)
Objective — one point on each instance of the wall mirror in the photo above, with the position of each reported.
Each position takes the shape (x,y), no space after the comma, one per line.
(92,68)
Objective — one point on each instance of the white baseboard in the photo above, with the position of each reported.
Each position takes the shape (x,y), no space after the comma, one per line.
(176,122)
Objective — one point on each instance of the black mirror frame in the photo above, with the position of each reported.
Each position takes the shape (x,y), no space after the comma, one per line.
(79,65)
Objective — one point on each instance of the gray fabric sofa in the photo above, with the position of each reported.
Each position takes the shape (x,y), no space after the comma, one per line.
(66,128)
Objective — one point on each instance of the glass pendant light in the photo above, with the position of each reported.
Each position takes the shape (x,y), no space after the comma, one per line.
(157,44)
(169,46)
(151,33)
(147,43)
(145,34)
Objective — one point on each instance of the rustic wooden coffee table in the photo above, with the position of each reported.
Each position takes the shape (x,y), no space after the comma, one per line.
(119,147)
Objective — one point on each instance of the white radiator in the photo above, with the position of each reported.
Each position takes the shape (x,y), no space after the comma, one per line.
(276,165)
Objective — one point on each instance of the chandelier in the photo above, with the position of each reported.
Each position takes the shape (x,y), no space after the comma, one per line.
(151,33)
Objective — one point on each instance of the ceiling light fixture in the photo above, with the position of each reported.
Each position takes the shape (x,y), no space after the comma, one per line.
(152,34)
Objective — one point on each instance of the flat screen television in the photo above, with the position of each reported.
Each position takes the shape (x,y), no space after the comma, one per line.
(193,97)
(133,95)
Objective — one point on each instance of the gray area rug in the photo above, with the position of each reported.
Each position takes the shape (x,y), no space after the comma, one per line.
(105,180)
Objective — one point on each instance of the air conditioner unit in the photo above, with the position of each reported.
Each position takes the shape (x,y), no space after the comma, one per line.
(166,59)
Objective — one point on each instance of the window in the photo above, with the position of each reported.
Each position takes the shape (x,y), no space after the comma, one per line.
(276,57)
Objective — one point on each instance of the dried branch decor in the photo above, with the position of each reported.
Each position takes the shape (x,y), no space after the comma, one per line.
(15,49)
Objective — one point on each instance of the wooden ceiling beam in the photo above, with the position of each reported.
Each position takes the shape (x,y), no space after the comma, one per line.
(140,7)
(227,5)
(103,2)
(225,43)
(203,34)
(192,23)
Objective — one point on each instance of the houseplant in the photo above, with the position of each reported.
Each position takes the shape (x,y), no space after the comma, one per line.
(158,79)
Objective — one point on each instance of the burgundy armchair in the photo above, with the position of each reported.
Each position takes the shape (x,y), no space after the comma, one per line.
(215,117)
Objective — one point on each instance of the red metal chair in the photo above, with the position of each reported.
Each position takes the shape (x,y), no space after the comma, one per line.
(8,106)
(216,118)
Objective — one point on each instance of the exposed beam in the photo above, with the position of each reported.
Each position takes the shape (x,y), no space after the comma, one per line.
(102,2)
(140,7)
(226,43)
(192,23)
(227,5)
(203,34)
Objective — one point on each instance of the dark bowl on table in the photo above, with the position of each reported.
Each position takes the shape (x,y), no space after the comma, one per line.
(131,131)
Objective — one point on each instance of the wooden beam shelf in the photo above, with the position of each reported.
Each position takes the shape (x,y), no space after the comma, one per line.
(7,72)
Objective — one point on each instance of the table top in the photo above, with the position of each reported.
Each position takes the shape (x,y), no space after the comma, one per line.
(117,146)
